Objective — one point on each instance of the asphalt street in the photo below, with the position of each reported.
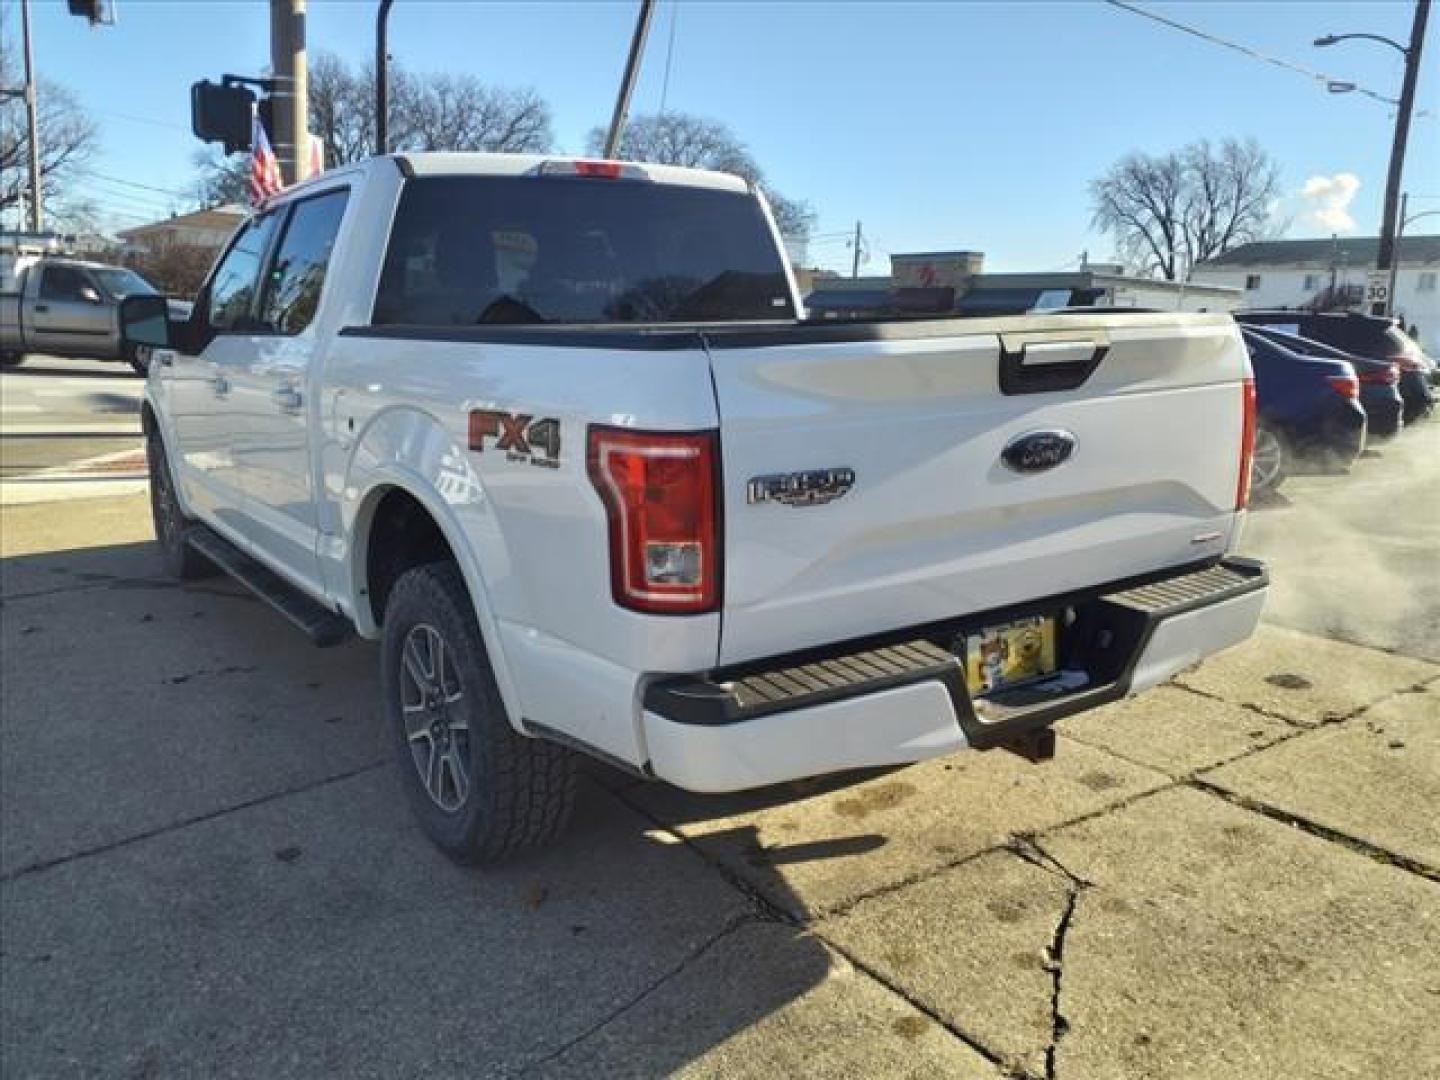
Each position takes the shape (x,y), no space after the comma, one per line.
(206,866)
(55,413)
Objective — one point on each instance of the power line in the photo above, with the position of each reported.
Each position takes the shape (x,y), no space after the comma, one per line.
(143,120)
(1254,54)
(143,187)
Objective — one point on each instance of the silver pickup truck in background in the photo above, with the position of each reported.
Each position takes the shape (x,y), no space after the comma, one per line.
(68,307)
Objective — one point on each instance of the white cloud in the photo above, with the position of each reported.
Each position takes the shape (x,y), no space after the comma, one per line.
(1327,200)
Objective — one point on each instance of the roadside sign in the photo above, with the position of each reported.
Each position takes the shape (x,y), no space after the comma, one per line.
(1377,287)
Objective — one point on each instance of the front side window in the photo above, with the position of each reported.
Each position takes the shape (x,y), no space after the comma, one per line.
(62,283)
(534,249)
(292,288)
(232,289)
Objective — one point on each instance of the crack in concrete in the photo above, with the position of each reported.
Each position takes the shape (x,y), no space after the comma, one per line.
(1055,961)
(1027,846)
(764,907)
(1323,832)
(957,1032)
(530,1068)
(185,823)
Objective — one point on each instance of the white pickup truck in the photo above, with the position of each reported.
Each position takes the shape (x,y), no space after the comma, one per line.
(558,434)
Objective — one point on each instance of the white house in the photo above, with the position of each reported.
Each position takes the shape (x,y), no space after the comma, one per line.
(955,281)
(1300,273)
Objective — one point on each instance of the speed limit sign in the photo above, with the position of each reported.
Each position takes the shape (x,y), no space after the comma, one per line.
(1377,287)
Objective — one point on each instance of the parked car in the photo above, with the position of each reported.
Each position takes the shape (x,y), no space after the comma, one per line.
(1379,380)
(1371,336)
(1309,413)
(67,307)
(553,432)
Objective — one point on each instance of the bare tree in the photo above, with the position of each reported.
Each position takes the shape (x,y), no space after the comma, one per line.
(1168,212)
(672,138)
(69,138)
(458,112)
(222,179)
(427,112)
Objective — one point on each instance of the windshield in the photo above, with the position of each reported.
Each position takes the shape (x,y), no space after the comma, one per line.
(120,283)
(477,250)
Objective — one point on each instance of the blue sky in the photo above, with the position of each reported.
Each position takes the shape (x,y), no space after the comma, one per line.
(940,125)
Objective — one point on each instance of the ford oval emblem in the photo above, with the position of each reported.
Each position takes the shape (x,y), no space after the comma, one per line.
(1036,451)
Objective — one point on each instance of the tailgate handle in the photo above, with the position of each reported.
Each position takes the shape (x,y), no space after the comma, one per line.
(1035,365)
(1056,352)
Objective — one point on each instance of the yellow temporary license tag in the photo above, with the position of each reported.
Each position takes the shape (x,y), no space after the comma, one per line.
(1008,654)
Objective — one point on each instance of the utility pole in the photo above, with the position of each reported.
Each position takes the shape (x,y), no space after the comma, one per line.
(1395,251)
(1397,149)
(382,78)
(32,109)
(627,81)
(855,257)
(290,99)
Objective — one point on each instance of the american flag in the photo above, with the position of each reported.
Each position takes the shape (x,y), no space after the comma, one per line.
(264,167)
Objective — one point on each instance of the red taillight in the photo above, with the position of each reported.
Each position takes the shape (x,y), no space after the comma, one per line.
(1247,445)
(610,170)
(1388,377)
(1347,386)
(661,495)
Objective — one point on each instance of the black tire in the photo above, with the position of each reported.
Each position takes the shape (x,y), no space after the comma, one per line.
(180,559)
(520,791)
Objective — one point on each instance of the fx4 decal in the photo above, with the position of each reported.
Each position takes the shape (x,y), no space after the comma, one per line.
(521,437)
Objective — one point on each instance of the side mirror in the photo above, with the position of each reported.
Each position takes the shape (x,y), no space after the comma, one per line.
(145,320)
(89,295)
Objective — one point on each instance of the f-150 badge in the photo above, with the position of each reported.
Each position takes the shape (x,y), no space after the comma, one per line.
(810,488)
(519,436)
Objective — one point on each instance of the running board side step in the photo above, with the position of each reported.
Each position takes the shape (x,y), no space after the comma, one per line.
(321,625)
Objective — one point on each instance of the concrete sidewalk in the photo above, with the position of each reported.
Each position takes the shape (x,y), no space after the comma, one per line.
(206,868)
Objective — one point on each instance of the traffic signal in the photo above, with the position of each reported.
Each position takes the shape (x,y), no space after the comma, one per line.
(96,11)
(221,113)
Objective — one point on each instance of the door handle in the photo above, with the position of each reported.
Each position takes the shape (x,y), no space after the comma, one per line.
(42,307)
(287,398)
(221,385)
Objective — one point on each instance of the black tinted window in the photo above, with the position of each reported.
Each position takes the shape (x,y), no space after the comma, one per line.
(62,283)
(292,289)
(531,249)
(232,289)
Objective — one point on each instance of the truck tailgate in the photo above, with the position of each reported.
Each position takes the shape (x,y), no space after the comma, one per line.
(936,524)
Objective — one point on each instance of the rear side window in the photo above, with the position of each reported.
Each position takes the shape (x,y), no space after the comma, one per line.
(232,289)
(293,284)
(530,249)
(62,283)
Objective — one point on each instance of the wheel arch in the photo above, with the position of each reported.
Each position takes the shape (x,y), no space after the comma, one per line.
(398,493)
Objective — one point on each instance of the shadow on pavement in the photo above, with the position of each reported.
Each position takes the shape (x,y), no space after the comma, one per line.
(207,866)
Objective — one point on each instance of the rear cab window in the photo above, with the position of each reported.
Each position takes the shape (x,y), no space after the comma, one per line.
(477,250)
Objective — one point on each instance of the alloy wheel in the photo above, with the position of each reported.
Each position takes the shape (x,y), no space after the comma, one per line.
(436,728)
(1267,461)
